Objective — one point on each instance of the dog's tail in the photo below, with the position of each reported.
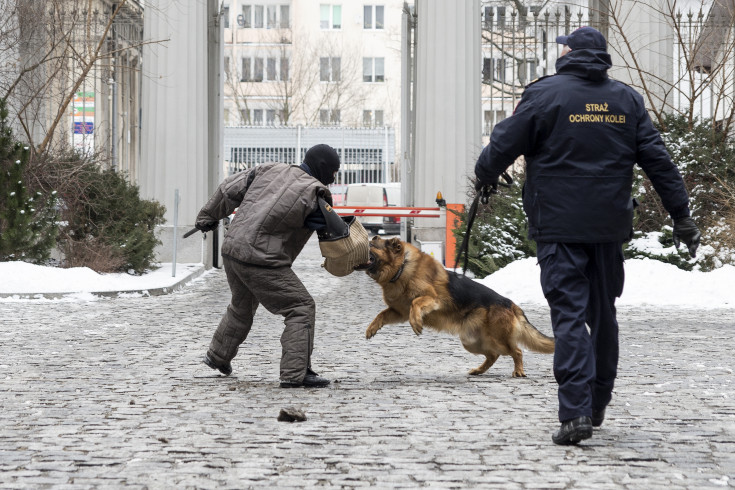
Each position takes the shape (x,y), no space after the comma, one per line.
(529,336)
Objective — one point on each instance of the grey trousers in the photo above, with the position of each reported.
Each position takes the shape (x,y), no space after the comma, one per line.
(281,292)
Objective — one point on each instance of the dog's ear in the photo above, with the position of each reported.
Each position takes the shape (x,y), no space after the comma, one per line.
(395,245)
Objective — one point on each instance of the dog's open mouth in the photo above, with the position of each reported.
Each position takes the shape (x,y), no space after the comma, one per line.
(367,265)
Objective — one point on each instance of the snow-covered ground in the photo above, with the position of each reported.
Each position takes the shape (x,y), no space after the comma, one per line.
(24,279)
(648,282)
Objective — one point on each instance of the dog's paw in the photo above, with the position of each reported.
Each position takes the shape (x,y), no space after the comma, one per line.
(519,374)
(475,372)
(371,331)
(417,329)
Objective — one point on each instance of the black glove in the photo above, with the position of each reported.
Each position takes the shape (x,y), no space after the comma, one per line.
(491,184)
(686,231)
(212,225)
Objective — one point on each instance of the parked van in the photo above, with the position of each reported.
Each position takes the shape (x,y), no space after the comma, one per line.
(338,194)
(376,195)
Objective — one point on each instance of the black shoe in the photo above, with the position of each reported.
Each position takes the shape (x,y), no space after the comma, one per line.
(573,431)
(225,369)
(598,416)
(311,380)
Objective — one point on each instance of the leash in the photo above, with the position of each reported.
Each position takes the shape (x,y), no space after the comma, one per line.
(484,197)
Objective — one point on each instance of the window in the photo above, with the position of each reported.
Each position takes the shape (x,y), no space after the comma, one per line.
(245,19)
(264,69)
(330,16)
(527,71)
(258,70)
(270,117)
(329,69)
(372,118)
(257,16)
(226,66)
(329,117)
(284,69)
(226,16)
(487,17)
(494,17)
(270,69)
(246,71)
(493,69)
(373,17)
(373,69)
(487,69)
(491,119)
(285,16)
(269,16)
(260,117)
(379,118)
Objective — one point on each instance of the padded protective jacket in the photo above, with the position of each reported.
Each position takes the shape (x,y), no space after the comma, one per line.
(272,201)
(581,134)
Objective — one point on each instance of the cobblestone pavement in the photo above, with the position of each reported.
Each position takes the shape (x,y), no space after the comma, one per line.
(113,393)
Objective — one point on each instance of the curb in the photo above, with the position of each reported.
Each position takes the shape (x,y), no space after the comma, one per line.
(112,294)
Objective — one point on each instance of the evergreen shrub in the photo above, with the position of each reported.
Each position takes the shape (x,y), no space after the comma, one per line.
(499,234)
(27,213)
(706,159)
(109,228)
(104,224)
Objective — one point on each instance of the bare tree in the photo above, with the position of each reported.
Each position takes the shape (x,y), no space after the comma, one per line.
(342,91)
(295,86)
(284,90)
(236,89)
(52,49)
(701,71)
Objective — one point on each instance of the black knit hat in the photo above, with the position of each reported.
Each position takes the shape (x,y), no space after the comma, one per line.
(323,161)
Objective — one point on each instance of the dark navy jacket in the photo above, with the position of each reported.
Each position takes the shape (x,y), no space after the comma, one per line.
(581,134)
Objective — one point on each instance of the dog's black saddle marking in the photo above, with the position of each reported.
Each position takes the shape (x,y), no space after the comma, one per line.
(468,293)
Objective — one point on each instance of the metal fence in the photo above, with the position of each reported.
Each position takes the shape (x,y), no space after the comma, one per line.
(688,69)
(516,50)
(366,154)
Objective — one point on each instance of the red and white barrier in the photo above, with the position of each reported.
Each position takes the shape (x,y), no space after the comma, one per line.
(390,211)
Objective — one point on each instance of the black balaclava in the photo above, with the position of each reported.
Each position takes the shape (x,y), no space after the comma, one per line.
(323,161)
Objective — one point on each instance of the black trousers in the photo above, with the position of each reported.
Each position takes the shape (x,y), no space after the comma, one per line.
(580,282)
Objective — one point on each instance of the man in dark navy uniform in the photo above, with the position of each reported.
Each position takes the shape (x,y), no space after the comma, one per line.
(581,133)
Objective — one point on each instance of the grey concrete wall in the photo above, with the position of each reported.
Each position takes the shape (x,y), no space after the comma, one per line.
(448,106)
(181,111)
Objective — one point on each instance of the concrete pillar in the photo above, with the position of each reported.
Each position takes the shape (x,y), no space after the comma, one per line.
(181,116)
(448,106)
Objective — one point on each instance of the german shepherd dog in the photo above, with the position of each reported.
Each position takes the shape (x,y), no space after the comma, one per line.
(417,288)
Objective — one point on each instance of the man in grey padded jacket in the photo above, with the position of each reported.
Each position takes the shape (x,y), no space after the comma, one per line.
(277,212)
